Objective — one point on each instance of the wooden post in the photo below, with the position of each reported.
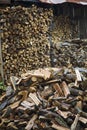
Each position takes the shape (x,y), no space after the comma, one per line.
(1,61)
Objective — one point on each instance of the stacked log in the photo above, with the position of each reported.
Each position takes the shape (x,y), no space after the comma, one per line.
(72,53)
(25,42)
(31,39)
(63,28)
(45,99)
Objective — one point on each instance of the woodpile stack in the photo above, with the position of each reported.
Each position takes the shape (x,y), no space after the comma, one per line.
(34,37)
(46,99)
(67,53)
(63,28)
(25,42)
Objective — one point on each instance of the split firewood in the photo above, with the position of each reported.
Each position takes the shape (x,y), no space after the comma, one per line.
(73,126)
(12,126)
(58,127)
(83,120)
(27,104)
(61,122)
(64,114)
(76,92)
(82,113)
(6,113)
(31,123)
(58,89)
(21,108)
(47,92)
(50,82)
(2,97)
(13,81)
(40,105)
(79,105)
(22,123)
(34,98)
(15,105)
(29,53)
(65,89)
(24,94)
(1,122)
(78,75)
(40,73)
(32,89)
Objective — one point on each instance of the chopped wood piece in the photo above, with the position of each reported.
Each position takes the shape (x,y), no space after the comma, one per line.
(40,73)
(84,114)
(1,122)
(31,123)
(45,73)
(15,105)
(83,120)
(47,92)
(2,97)
(61,121)
(50,82)
(64,114)
(78,75)
(13,81)
(79,105)
(12,126)
(34,98)
(24,94)
(42,102)
(27,104)
(58,89)
(34,79)
(65,89)
(75,92)
(73,126)
(58,127)
(21,108)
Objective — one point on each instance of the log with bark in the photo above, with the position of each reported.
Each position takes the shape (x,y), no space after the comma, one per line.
(48,102)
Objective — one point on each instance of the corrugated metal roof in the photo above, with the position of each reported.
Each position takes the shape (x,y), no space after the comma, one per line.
(83,2)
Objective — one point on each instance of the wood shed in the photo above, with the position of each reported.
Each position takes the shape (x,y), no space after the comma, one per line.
(34,30)
(43,64)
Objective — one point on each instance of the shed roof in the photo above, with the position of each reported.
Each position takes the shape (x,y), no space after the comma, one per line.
(83,2)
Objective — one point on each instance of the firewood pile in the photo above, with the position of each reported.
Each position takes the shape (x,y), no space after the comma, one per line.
(46,99)
(63,28)
(73,53)
(25,43)
(26,37)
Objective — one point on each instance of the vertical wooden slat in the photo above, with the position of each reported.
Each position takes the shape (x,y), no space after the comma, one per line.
(85,17)
(1,66)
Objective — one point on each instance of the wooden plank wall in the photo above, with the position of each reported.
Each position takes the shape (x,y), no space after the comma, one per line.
(77,13)
(5,1)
